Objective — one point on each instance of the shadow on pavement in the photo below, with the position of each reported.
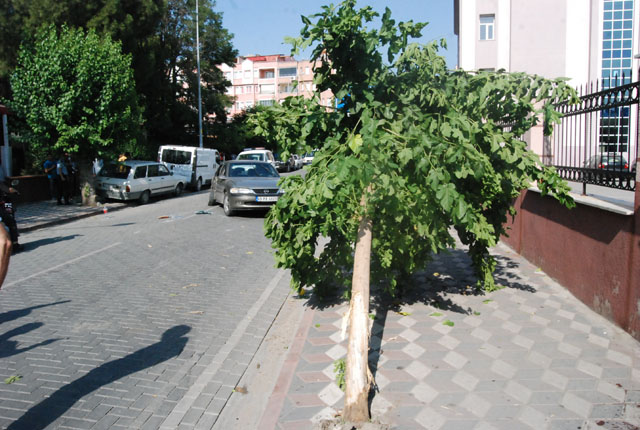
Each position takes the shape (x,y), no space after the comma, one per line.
(19,313)
(29,246)
(47,411)
(10,347)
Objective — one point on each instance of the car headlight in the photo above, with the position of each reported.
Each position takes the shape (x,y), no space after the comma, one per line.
(241,191)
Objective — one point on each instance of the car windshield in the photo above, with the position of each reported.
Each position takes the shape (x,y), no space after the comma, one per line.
(256,157)
(115,170)
(260,170)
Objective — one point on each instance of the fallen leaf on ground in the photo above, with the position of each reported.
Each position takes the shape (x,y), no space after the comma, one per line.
(241,390)
(249,252)
(191,285)
(403,313)
(12,379)
(197,312)
(163,217)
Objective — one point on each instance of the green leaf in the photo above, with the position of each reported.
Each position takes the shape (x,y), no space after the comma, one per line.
(355,143)
(12,379)
(436,314)
(448,323)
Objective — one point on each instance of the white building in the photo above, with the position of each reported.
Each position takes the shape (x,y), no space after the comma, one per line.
(588,41)
(584,40)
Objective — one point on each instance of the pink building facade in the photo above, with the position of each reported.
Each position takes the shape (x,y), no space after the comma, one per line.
(268,79)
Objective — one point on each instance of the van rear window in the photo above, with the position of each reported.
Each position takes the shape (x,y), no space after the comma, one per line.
(175,156)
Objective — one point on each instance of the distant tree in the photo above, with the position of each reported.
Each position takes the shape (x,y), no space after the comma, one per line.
(416,151)
(160,37)
(75,92)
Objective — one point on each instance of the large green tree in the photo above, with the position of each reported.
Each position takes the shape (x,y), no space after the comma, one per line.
(417,152)
(160,36)
(75,92)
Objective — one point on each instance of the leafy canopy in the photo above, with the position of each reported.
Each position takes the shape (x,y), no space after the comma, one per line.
(424,145)
(75,92)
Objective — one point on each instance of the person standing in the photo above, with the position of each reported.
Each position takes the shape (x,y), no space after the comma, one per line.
(63,182)
(50,168)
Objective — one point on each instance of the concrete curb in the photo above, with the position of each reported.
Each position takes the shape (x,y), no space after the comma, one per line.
(66,219)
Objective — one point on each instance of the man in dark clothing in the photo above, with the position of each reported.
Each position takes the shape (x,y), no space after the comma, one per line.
(50,168)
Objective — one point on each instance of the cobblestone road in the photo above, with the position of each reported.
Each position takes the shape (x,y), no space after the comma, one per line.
(139,319)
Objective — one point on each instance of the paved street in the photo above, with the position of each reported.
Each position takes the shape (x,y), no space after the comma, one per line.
(145,318)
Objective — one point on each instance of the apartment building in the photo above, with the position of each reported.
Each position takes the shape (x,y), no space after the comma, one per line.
(268,79)
(584,40)
(591,42)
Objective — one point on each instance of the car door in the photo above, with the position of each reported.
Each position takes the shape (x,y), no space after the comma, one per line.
(154,180)
(219,182)
(167,182)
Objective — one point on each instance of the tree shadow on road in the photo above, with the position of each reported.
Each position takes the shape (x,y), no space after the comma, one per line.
(50,409)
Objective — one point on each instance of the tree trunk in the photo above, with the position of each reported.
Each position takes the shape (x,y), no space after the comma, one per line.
(357,383)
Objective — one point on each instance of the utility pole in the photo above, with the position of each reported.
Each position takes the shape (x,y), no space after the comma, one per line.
(198,62)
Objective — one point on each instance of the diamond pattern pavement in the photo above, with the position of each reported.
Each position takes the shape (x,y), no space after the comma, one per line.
(528,356)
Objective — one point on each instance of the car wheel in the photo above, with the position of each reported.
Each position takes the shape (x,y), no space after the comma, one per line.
(226,205)
(198,184)
(144,198)
(212,199)
(178,190)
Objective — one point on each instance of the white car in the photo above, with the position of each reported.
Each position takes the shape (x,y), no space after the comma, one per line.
(258,154)
(299,162)
(137,180)
(308,157)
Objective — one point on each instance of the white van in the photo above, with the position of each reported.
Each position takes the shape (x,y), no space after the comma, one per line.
(198,165)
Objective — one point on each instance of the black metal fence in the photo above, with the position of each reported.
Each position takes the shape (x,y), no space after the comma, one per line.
(597,140)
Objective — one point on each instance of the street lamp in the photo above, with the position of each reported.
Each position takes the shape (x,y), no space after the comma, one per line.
(198,62)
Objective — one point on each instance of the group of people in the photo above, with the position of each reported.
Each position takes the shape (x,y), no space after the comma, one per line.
(63,177)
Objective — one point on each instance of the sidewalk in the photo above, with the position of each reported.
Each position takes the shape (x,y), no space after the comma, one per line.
(529,356)
(35,215)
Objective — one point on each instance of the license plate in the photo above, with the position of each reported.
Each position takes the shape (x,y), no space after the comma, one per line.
(267,199)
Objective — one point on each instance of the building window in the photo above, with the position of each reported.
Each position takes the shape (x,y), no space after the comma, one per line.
(266,102)
(487,23)
(267,89)
(267,74)
(287,72)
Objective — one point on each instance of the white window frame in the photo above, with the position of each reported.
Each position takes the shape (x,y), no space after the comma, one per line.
(487,27)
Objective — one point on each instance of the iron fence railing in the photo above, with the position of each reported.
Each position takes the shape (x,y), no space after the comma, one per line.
(597,139)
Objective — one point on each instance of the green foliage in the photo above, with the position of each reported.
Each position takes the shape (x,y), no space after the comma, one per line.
(159,36)
(75,92)
(339,368)
(424,145)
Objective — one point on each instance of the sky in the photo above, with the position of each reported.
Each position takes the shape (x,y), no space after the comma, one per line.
(260,26)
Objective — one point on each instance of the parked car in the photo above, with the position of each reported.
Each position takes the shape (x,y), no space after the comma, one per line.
(308,157)
(607,162)
(137,180)
(257,154)
(297,161)
(285,166)
(245,185)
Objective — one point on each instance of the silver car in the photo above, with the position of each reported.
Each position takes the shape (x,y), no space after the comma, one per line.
(137,180)
(245,185)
